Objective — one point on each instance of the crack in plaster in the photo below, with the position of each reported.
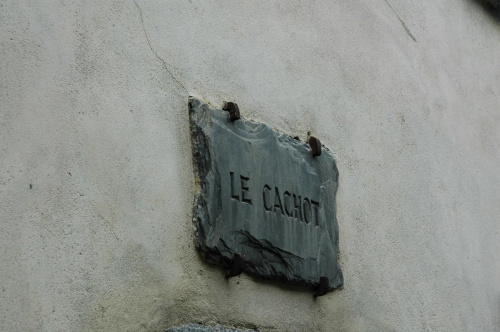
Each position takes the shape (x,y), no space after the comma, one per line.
(402,23)
(154,52)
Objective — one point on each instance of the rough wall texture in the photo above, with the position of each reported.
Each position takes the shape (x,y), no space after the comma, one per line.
(96,177)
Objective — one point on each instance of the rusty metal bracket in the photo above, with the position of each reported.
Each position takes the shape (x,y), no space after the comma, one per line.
(233,109)
(315,146)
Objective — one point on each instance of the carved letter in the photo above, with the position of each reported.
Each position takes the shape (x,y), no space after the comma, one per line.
(233,196)
(277,200)
(297,207)
(286,200)
(307,210)
(316,211)
(245,190)
(266,189)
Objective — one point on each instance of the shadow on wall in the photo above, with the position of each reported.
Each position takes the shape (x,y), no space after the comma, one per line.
(492,6)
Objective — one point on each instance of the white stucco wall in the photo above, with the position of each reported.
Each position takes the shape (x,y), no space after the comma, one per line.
(96,176)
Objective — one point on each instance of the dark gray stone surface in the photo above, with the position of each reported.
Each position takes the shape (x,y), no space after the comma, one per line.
(492,6)
(203,328)
(494,3)
(263,195)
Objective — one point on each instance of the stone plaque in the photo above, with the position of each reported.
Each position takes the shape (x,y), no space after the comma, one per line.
(263,196)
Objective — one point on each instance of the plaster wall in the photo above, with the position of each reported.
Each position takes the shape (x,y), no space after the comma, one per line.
(96,175)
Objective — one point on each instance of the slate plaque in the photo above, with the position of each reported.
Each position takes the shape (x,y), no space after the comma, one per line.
(263,195)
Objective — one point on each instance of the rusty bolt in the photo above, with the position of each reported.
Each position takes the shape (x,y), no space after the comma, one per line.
(315,146)
(232,108)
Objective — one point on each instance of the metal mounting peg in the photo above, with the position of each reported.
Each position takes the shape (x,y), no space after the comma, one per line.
(233,109)
(315,146)
(236,266)
(323,287)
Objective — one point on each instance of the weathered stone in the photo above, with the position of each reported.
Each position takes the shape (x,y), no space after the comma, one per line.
(263,195)
(492,6)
